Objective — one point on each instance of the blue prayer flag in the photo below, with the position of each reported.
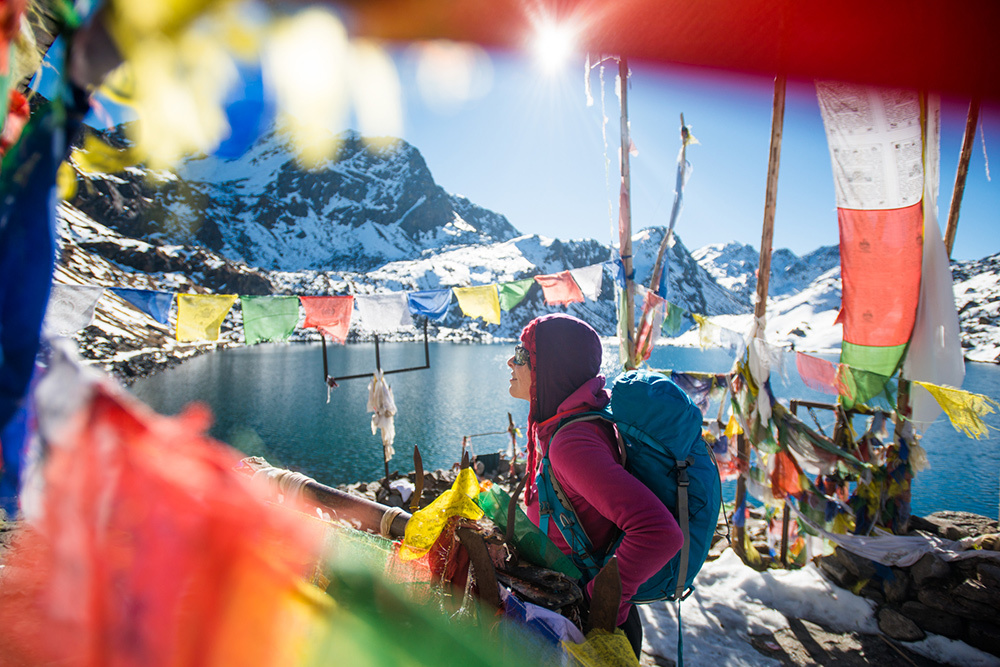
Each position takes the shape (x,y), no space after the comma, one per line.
(154,303)
(432,304)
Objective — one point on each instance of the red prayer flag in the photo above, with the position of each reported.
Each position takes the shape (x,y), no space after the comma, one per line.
(330,314)
(785,478)
(821,375)
(560,288)
(150,550)
(880,256)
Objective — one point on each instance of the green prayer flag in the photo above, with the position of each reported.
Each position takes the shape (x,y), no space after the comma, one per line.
(269,318)
(871,368)
(513,293)
(673,321)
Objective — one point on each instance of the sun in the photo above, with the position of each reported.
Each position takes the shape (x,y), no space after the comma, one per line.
(553,44)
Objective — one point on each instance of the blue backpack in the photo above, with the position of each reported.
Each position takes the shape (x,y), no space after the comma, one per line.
(660,429)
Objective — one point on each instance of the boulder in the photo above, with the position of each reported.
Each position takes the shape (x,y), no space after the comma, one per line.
(989,572)
(836,571)
(897,626)
(983,636)
(978,591)
(897,588)
(958,605)
(929,568)
(933,620)
(862,568)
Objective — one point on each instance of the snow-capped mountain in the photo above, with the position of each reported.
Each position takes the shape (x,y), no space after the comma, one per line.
(375,202)
(734,266)
(373,220)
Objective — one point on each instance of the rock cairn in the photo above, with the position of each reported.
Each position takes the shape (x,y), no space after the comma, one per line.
(957,599)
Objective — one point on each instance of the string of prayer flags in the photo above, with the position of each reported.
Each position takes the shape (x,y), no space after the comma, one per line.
(330,314)
(560,289)
(965,409)
(154,303)
(200,316)
(269,318)
(589,278)
(821,375)
(70,308)
(482,302)
(385,312)
(513,293)
(432,304)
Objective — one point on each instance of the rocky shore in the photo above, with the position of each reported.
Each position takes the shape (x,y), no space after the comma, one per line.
(957,600)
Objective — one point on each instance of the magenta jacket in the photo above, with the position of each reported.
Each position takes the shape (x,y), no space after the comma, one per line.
(586,463)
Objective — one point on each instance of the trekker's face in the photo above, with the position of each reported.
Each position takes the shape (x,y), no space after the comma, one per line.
(520,379)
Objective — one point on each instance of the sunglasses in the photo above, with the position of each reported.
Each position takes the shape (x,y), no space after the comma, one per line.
(521,356)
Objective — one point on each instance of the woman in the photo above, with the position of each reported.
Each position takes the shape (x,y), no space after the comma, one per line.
(557,369)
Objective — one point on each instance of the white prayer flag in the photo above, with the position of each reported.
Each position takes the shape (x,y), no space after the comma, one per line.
(71,308)
(589,278)
(383,313)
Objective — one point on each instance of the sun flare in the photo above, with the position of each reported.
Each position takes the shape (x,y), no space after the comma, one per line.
(553,44)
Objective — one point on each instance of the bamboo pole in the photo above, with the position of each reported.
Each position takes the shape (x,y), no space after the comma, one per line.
(764,267)
(625,219)
(963,169)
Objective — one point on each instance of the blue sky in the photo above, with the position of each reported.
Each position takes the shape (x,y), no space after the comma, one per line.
(531,149)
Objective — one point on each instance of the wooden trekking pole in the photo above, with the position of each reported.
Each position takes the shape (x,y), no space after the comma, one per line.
(763,276)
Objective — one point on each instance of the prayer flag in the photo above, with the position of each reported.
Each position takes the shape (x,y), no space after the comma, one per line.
(330,314)
(617,269)
(934,354)
(27,246)
(821,375)
(589,278)
(150,549)
(199,316)
(70,309)
(560,288)
(432,304)
(965,409)
(481,302)
(269,317)
(649,325)
(154,303)
(513,293)
(876,148)
(677,320)
(383,313)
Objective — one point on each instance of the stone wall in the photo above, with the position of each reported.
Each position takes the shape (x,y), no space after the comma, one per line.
(958,599)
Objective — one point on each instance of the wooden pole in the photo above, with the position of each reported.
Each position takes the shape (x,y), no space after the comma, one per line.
(654,281)
(764,266)
(625,219)
(963,169)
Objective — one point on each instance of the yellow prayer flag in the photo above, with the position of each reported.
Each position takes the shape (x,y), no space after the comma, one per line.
(199,316)
(424,527)
(965,409)
(480,302)
(707,331)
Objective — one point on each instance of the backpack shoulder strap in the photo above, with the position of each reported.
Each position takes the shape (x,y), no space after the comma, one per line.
(553,502)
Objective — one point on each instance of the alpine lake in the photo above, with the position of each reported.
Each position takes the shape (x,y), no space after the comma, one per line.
(270,400)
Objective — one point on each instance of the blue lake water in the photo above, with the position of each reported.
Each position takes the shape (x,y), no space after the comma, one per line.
(270,400)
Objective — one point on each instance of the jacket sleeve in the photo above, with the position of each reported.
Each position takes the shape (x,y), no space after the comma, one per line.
(603,491)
